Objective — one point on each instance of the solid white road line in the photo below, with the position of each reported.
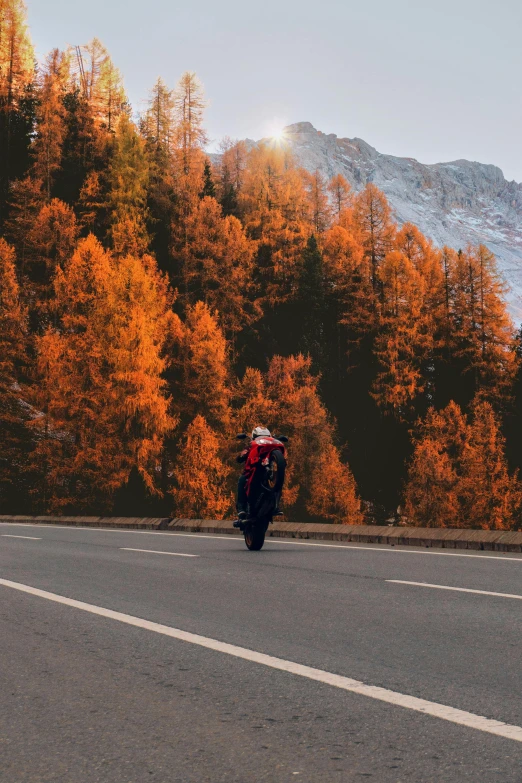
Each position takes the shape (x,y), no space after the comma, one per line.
(31,538)
(155,552)
(456,589)
(423,706)
(503,557)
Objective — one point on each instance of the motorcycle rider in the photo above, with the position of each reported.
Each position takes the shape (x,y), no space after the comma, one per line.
(242,499)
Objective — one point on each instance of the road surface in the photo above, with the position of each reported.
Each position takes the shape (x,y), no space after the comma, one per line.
(130,656)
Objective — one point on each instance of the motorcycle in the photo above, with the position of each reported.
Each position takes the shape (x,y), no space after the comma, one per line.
(265,468)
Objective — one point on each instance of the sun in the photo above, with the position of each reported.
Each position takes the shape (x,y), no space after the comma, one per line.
(278,135)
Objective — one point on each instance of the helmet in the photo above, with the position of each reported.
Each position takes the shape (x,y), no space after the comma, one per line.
(260,432)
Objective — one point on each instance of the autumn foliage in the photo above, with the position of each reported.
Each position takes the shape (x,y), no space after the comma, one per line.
(458,475)
(154,300)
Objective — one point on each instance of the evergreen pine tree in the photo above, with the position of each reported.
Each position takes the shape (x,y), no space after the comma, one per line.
(26,201)
(157,126)
(209,189)
(128,180)
(15,436)
(311,306)
(85,149)
(231,170)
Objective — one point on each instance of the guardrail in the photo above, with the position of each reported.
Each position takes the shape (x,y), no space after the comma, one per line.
(446,538)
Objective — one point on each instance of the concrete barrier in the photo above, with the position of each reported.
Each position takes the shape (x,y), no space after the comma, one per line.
(125,523)
(446,538)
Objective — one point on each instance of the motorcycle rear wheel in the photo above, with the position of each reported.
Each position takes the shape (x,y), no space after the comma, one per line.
(254,537)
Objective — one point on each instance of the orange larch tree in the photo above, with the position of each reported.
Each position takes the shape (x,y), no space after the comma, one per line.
(201,476)
(51,240)
(319,205)
(218,266)
(100,83)
(340,194)
(190,138)
(491,497)
(188,107)
(404,340)
(350,288)
(458,475)
(483,334)
(104,404)
(432,493)
(188,165)
(157,124)
(431,498)
(141,333)
(50,119)
(16,53)
(275,207)
(253,406)
(496,361)
(202,383)
(17,73)
(427,261)
(333,492)
(375,230)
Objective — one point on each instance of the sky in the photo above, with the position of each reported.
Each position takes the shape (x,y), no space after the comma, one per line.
(436,81)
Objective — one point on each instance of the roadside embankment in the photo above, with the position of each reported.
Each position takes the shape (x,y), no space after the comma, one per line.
(446,538)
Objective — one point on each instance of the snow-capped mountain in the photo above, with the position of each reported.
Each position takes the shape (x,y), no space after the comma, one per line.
(452,203)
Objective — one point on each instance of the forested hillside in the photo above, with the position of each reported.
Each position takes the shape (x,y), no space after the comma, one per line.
(454,203)
(152,304)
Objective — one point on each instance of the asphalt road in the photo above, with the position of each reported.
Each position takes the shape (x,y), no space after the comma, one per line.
(88,697)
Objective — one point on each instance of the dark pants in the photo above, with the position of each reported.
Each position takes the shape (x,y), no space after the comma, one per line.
(242,500)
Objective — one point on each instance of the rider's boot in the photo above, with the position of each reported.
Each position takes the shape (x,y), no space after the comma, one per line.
(242,517)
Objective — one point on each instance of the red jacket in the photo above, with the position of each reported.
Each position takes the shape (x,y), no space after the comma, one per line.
(258,450)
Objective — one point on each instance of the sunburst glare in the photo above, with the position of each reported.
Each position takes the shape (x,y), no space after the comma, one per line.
(277,134)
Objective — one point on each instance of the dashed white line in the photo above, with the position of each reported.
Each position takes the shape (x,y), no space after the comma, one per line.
(156,552)
(423,706)
(10,535)
(456,589)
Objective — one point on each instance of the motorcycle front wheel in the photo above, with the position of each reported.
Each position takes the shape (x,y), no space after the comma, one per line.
(254,537)
(276,471)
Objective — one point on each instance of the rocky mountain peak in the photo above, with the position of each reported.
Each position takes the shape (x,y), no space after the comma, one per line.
(453,203)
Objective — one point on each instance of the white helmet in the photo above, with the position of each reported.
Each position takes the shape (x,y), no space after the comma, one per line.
(260,432)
